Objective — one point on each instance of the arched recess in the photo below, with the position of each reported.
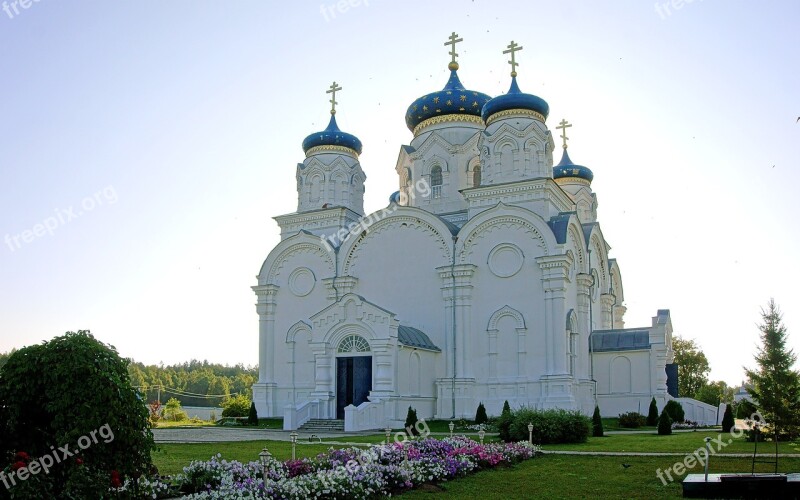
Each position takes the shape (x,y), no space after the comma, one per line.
(512,216)
(413,218)
(572,340)
(414,365)
(578,244)
(506,344)
(302,242)
(302,360)
(620,373)
(616,281)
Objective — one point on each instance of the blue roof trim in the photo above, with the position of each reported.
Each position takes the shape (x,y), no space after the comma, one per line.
(629,339)
(411,337)
(515,99)
(332,136)
(559,224)
(587,230)
(453,99)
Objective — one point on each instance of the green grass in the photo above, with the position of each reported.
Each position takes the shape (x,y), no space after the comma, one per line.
(679,442)
(168,424)
(612,424)
(556,476)
(171,458)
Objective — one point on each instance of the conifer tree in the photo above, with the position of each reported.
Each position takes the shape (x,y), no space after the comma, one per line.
(597,423)
(727,419)
(664,423)
(774,385)
(652,414)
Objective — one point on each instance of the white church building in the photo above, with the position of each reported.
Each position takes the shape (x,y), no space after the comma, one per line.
(486,279)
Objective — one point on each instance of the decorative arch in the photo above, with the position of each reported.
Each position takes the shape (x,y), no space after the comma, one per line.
(335,336)
(300,326)
(302,242)
(353,344)
(572,321)
(506,311)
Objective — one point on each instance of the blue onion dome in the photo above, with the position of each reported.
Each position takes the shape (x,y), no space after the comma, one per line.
(395,197)
(566,169)
(332,137)
(453,100)
(515,100)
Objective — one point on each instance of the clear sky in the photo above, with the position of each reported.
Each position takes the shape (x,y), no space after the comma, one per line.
(145,147)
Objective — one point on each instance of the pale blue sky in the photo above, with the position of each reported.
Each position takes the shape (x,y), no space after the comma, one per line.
(181,123)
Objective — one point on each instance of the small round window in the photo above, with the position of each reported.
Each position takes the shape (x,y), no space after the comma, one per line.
(353,343)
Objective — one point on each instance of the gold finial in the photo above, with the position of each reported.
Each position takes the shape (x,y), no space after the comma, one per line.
(563,126)
(513,47)
(334,88)
(453,41)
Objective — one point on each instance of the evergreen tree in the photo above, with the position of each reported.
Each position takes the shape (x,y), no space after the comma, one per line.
(252,418)
(774,385)
(480,415)
(597,423)
(727,419)
(664,423)
(411,422)
(652,414)
(504,423)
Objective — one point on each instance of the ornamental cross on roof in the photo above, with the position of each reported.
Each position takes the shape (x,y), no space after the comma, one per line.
(513,47)
(453,41)
(334,88)
(563,126)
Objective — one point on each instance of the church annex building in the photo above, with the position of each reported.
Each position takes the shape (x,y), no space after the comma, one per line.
(486,278)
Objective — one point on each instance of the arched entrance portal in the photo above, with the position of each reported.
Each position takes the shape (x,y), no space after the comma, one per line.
(353,373)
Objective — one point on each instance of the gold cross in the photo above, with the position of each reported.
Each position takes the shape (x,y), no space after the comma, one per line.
(334,88)
(513,47)
(563,126)
(453,41)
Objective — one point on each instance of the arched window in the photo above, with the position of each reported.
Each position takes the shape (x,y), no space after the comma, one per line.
(353,343)
(476,176)
(436,181)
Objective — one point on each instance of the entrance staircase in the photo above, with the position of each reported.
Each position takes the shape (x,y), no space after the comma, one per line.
(319,426)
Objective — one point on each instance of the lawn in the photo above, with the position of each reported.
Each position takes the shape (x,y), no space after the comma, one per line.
(678,442)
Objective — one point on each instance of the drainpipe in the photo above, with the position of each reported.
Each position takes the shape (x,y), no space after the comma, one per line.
(591,328)
(453,277)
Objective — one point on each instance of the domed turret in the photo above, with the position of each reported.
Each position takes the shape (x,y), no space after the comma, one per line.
(452,103)
(576,181)
(566,170)
(515,102)
(331,176)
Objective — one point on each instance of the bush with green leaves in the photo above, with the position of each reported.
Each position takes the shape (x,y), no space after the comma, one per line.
(727,419)
(597,423)
(504,423)
(252,417)
(480,415)
(549,426)
(60,392)
(236,406)
(174,412)
(632,420)
(675,411)
(411,422)
(664,423)
(652,413)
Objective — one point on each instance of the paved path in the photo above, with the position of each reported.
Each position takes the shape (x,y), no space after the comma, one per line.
(222,434)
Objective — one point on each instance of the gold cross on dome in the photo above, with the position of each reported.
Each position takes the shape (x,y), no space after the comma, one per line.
(334,88)
(563,126)
(513,47)
(453,41)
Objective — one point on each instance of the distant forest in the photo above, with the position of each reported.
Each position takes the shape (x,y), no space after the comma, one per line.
(196,383)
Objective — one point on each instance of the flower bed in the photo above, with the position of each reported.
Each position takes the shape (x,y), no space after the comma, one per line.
(351,472)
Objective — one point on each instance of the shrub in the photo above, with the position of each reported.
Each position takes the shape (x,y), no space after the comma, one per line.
(155,412)
(411,422)
(745,409)
(675,411)
(58,393)
(237,406)
(480,415)
(632,420)
(174,412)
(652,413)
(597,423)
(252,418)
(727,419)
(549,426)
(664,423)
(504,423)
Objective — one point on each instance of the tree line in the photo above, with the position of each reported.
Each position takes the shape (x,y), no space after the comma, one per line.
(195,383)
